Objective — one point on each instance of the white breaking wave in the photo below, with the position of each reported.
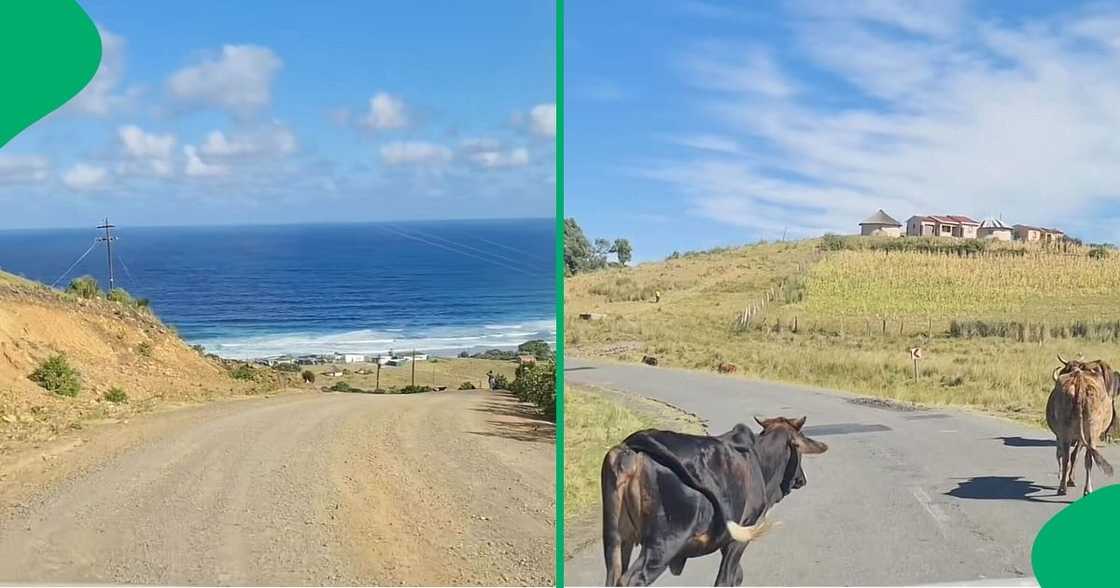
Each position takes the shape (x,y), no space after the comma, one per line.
(450,340)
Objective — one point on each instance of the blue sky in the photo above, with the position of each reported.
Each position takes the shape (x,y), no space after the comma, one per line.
(695,124)
(214,112)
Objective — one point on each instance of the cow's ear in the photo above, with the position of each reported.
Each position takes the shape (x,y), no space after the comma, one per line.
(798,423)
(807,446)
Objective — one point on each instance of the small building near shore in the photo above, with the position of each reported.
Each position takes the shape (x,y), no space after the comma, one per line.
(353,358)
(995,230)
(880,224)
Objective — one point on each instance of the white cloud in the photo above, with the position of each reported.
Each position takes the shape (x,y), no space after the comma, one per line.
(275,140)
(196,167)
(732,68)
(977,119)
(385,112)
(23,169)
(239,80)
(715,143)
(415,153)
(542,120)
(146,153)
(488,153)
(100,96)
(83,176)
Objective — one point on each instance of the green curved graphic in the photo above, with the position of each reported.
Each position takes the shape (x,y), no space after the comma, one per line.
(51,50)
(1077,546)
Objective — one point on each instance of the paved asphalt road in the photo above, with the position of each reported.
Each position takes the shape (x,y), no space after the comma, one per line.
(901,497)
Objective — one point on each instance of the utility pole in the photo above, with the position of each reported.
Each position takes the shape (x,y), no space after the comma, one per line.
(108,239)
(377,386)
(413,362)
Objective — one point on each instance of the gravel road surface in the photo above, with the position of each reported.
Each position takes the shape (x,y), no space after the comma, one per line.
(310,488)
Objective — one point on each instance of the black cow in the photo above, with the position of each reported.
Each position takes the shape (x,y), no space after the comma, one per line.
(682,496)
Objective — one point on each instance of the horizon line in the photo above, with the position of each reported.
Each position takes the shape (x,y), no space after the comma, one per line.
(286,224)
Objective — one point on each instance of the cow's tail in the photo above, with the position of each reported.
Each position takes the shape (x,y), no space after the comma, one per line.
(619,466)
(1091,454)
(750,533)
(660,454)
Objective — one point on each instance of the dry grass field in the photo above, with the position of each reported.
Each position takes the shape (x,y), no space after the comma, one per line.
(990,324)
(436,371)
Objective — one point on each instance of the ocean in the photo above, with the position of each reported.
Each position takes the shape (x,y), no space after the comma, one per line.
(247,292)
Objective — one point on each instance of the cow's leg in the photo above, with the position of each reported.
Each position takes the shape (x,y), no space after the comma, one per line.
(627,549)
(651,563)
(1088,468)
(1063,465)
(730,570)
(1074,448)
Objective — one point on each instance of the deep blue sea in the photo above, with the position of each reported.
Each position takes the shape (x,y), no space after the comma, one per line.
(259,291)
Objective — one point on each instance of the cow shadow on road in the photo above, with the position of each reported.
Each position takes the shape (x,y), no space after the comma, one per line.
(1024,442)
(1002,488)
(516,420)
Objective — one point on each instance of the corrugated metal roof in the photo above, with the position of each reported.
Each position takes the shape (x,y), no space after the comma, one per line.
(993,223)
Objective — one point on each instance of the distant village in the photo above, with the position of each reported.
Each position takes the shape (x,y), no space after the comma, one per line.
(391,359)
(882,224)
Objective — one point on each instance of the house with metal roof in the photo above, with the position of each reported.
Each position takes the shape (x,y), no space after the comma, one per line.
(995,230)
(961,227)
(880,224)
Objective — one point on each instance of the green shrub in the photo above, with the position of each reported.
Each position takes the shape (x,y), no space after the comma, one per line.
(1098,253)
(286,367)
(116,395)
(466,386)
(343,387)
(56,375)
(501,382)
(121,296)
(537,348)
(144,349)
(536,383)
(414,389)
(831,242)
(244,372)
(308,377)
(84,287)
(200,349)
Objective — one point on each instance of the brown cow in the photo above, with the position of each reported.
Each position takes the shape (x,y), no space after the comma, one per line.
(1079,411)
(727,368)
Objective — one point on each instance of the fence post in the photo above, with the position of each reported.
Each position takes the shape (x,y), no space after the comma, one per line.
(884,326)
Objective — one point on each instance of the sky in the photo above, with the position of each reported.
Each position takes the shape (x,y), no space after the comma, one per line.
(262,112)
(696,124)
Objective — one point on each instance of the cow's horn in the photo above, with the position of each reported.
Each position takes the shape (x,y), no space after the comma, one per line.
(1055,374)
(1061,359)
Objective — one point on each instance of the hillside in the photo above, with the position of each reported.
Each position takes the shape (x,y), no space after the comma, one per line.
(844,313)
(109,343)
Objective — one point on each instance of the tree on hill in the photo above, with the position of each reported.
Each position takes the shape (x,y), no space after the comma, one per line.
(622,249)
(537,348)
(581,254)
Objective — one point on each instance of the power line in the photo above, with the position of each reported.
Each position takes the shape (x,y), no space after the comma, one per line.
(73,265)
(479,257)
(465,246)
(108,239)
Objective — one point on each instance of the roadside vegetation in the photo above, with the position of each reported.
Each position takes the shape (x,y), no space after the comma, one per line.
(56,375)
(843,312)
(536,383)
(596,419)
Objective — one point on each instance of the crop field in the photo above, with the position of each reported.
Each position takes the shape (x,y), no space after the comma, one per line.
(990,323)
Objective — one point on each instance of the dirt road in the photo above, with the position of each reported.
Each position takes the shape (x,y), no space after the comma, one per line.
(311,488)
